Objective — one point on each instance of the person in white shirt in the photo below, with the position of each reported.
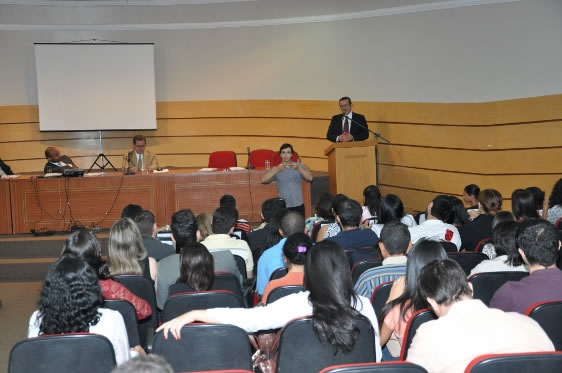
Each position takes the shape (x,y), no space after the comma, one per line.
(466,327)
(328,285)
(434,227)
(392,209)
(71,302)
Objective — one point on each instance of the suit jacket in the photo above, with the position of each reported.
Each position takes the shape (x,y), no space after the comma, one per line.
(51,167)
(359,133)
(7,170)
(149,160)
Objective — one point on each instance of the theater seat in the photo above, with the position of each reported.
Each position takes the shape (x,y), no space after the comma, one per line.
(222,159)
(380,296)
(383,367)
(516,363)
(181,303)
(417,319)
(549,316)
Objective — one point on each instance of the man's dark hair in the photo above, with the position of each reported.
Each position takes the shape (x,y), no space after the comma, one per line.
(538,196)
(396,237)
(323,206)
(227,201)
(145,221)
(539,241)
(131,211)
(444,281)
(184,228)
(292,222)
(345,98)
(271,207)
(349,212)
(224,219)
(138,138)
(442,208)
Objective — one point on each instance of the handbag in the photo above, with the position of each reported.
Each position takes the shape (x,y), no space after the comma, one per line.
(266,345)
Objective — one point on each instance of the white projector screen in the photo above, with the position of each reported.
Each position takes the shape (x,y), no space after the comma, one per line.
(83,87)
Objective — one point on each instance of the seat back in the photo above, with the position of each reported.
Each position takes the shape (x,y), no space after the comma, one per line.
(549,317)
(222,159)
(181,303)
(373,277)
(63,353)
(480,245)
(205,347)
(276,158)
(516,363)
(300,350)
(384,367)
(259,156)
(380,296)
(360,254)
(449,247)
(360,267)
(283,291)
(467,260)
(142,287)
(418,318)
(241,264)
(127,310)
(278,273)
(227,281)
(485,284)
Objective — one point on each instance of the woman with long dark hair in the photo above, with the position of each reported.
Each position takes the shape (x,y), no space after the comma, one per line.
(329,299)
(372,198)
(197,269)
(392,209)
(404,298)
(84,244)
(523,205)
(71,302)
(489,204)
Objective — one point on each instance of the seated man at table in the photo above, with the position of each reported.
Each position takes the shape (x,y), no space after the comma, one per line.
(56,163)
(139,158)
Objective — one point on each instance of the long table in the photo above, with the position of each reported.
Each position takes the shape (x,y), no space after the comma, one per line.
(35,203)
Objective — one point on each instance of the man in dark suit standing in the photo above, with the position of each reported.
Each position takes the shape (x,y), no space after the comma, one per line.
(347,126)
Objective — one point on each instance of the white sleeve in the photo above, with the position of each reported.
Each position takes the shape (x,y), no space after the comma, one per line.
(112,326)
(33,327)
(367,310)
(272,316)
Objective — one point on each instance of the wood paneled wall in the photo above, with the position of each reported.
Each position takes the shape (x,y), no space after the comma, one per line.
(436,148)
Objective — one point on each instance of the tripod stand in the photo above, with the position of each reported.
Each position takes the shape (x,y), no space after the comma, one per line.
(103,159)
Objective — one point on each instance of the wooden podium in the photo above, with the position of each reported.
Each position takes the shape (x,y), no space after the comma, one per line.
(351,167)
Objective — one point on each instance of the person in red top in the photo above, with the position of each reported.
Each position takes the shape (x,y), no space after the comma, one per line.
(84,244)
(294,254)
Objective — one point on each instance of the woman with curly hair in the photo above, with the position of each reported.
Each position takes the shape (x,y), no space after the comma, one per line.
(85,245)
(555,203)
(329,300)
(71,302)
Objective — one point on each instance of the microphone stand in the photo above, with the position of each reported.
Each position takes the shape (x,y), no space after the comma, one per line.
(375,134)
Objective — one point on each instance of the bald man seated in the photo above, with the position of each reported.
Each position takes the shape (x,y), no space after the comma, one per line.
(56,163)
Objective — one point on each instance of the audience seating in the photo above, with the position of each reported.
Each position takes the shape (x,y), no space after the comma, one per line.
(205,347)
(449,247)
(315,229)
(127,310)
(516,363)
(222,159)
(356,255)
(486,284)
(373,277)
(63,353)
(549,316)
(181,303)
(278,273)
(143,287)
(558,224)
(467,259)
(300,350)
(259,156)
(241,264)
(384,367)
(417,319)
(480,245)
(276,158)
(380,296)
(283,291)
(360,267)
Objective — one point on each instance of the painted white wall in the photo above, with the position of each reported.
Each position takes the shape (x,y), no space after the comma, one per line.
(465,54)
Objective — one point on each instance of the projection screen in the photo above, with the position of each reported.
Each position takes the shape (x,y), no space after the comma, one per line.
(84,87)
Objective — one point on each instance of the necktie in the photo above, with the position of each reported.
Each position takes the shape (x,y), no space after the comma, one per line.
(140,163)
(346,125)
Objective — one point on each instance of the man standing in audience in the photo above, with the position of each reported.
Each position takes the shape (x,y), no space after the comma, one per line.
(538,244)
(434,227)
(347,126)
(352,236)
(466,328)
(147,226)
(139,158)
(272,258)
(224,219)
(56,163)
(184,231)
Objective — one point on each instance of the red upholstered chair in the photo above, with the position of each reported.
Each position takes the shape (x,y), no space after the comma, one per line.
(516,362)
(276,158)
(259,156)
(222,159)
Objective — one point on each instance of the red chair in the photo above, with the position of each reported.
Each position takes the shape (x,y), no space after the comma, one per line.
(259,156)
(276,158)
(222,159)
